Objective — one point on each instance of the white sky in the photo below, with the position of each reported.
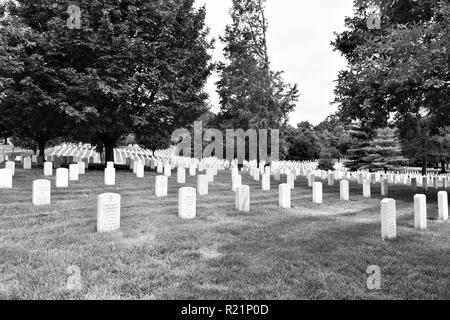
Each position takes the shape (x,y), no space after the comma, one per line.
(299,36)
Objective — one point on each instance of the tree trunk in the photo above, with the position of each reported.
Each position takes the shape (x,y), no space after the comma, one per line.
(6,141)
(443,165)
(109,151)
(42,144)
(424,165)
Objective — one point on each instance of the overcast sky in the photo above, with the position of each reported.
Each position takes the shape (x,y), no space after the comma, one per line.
(299,36)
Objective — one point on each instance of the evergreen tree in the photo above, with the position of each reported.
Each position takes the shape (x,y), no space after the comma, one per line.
(358,154)
(384,151)
(251,94)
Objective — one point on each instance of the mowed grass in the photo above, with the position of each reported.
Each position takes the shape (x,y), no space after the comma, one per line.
(307,252)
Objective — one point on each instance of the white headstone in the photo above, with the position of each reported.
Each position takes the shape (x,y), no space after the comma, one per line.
(331,179)
(243,199)
(187,203)
(210,173)
(167,170)
(192,170)
(388,219)
(41,192)
(443,205)
(81,167)
(311,180)
(181,175)
(27,163)
(108,212)
(48,169)
(236,182)
(159,167)
(384,187)
(73,172)
(140,169)
(110,164)
(256,174)
(420,211)
(202,185)
(11,165)
(110,176)
(5,179)
(161,186)
(62,178)
(265,182)
(317,193)
(366,189)
(290,177)
(284,196)
(344,190)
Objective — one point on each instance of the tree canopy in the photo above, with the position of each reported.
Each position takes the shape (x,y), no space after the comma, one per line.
(132,67)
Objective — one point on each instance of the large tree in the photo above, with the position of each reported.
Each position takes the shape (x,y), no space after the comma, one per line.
(400,73)
(29,101)
(133,66)
(252,95)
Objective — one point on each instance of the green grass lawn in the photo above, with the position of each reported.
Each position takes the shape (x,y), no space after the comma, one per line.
(307,252)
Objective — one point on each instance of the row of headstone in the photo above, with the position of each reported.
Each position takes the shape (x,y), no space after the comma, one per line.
(389,219)
(109,207)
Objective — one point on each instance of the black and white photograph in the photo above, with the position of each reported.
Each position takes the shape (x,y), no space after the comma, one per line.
(227,156)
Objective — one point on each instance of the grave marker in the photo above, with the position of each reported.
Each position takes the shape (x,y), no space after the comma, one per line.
(181,175)
(243,198)
(108,212)
(236,182)
(420,211)
(317,193)
(290,180)
(192,170)
(73,172)
(5,179)
(81,167)
(187,203)
(331,179)
(344,190)
(110,176)
(62,178)
(48,169)
(140,169)
(388,219)
(443,205)
(27,163)
(167,170)
(384,187)
(11,165)
(202,185)
(161,185)
(366,189)
(284,196)
(266,182)
(41,192)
